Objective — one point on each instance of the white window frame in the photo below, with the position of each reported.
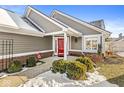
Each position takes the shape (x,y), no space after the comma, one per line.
(91,37)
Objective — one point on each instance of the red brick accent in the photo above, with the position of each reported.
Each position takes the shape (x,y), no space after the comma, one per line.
(23,59)
(75,53)
(94,56)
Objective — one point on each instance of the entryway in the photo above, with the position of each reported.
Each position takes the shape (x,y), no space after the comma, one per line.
(59,46)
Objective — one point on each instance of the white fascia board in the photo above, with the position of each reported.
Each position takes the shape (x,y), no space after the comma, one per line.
(86,24)
(21,33)
(8,26)
(54,33)
(48,18)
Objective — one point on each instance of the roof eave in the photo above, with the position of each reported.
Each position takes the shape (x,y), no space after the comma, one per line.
(8,26)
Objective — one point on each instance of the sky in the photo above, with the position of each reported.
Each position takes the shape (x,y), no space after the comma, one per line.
(113,16)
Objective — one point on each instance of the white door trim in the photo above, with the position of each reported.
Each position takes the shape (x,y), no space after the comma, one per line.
(55,46)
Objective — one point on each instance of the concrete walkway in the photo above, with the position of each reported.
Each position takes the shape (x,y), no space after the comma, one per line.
(34,71)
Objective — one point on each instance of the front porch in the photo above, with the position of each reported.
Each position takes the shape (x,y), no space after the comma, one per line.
(66,42)
(61,42)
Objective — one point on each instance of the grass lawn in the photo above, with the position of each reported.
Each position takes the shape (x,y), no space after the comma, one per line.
(113,69)
(12,81)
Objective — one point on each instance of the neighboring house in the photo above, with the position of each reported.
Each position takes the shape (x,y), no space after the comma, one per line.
(116,44)
(60,34)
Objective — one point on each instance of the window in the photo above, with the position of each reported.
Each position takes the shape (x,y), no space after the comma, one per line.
(94,44)
(91,43)
(88,44)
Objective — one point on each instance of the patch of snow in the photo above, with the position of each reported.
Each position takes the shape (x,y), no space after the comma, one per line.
(3,74)
(49,79)
(24,69)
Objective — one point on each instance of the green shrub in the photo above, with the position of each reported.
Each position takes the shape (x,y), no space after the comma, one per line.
(80,59)
(59,66)
(76,70)
(14,66)
(31,62)
(88,62)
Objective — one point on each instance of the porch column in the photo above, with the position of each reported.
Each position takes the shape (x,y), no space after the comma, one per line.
(82,43)
(65,46)
(53,44)
(70,43)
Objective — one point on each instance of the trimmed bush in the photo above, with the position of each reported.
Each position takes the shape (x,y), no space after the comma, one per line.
(31,62)
(59,66)
(14,66)
(88,62)
(76,70)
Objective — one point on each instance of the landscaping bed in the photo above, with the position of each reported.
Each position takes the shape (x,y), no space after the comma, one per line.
(49,79)
(75,73)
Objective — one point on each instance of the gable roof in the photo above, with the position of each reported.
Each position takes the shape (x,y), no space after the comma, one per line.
(38,24)
(20,22)
(16,22)
(80,21)
(42,21)
(46,23)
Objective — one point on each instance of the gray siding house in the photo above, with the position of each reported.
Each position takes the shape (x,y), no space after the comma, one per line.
(116,44)
(59,34)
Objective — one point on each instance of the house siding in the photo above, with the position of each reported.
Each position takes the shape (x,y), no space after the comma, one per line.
(23,43)
(76,45)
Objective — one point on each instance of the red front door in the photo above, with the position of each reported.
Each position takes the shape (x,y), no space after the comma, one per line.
(61,47)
